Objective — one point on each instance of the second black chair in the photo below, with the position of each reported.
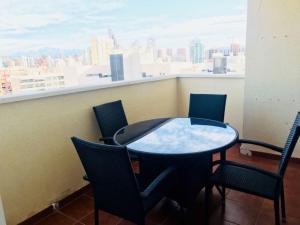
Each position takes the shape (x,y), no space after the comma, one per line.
(115,187)
(207,106)
(110,117)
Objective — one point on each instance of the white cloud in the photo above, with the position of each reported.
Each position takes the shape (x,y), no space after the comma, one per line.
(16,14)
(91,18)
(212,31)
(27,21)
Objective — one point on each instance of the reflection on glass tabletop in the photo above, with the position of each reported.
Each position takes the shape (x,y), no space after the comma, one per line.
(184,136)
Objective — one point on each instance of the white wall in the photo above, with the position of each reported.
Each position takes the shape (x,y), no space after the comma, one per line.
(272,90)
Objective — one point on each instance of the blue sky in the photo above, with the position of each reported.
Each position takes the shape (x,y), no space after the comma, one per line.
(30,24)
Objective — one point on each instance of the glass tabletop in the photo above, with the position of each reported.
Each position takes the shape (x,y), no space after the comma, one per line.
(176,136)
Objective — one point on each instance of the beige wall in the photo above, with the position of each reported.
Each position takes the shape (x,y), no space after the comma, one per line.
(272,93)
(233,87)
(38,164)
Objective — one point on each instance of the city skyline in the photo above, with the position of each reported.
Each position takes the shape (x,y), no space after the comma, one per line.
(28,26)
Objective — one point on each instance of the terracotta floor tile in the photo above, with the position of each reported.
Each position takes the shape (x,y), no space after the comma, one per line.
(267,218)
(236,212)
(56,219)
(104,218)
(292,205)
(79,208)
(247,199)
(241,208)
(89,192)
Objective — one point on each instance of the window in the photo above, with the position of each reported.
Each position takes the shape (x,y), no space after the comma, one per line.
(80,42)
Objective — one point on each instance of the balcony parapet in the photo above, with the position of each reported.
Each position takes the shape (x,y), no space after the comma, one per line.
(92,87)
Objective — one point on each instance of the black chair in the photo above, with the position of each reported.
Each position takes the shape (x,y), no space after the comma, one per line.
(256,181)
(110,117)
(208,106)
(114,184)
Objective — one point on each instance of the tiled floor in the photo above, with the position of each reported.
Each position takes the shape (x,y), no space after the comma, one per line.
(240,208)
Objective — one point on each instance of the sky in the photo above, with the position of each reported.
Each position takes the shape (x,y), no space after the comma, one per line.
(27,25)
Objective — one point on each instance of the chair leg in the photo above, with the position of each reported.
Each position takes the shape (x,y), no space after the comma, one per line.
(223,158)
(282,200)
(222,192)
(223,195)
(276,211)
(223,155)
(96,216)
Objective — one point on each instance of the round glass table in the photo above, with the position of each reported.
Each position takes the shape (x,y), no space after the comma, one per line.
(187,143)
(176,137)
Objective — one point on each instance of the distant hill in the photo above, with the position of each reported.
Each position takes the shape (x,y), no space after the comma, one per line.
(53,52)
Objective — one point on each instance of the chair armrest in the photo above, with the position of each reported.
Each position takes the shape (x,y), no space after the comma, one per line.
(161,184)
(259,143)
(259,170)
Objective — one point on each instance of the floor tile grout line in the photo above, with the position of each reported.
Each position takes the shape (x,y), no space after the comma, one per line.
(72,201)
(89,214)
(79,219)
(67,216)
(61,213)
(44,218)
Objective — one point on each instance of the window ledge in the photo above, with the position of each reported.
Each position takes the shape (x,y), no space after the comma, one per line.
(76,89)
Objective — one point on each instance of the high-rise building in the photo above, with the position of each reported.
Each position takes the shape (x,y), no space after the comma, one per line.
(94,51)
(220,65)
(196,51)
(169,52)
(181,55)
(225,51)
(116,67)
(211,52)
(37,82)
(113,38)
(132,65)
(100,50)
(160,53)
(235,49)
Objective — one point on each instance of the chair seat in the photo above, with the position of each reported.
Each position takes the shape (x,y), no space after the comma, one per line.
(246,180)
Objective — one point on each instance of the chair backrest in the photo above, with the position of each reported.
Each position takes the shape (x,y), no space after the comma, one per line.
(110,117)
(208,106)
(290,145)
(111,176)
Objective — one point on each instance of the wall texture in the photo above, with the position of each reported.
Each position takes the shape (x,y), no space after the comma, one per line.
(272,93)
(38,164)
(233,87)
